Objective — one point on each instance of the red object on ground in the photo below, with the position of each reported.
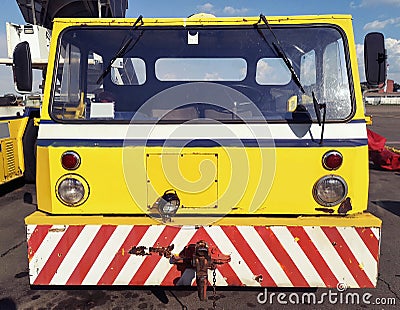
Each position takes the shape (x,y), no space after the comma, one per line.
(379,154)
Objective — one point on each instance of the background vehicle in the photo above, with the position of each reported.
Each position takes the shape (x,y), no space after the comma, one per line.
(229,149)
(18,139)
(19,120)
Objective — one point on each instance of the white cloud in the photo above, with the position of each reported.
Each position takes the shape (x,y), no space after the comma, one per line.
(169,76)
(272,71)
(229,10)
(212,76)
(378,25)
(360,60)
(393,46)
(370,3)
(206,8)
(354,5)
(393,52)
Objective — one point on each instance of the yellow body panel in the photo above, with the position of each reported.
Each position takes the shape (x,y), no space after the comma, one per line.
(11,158)
(198,187)
(282,185)
(358,220)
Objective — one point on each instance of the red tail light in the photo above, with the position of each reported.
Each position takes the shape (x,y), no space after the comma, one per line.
(332,160)
(70,160)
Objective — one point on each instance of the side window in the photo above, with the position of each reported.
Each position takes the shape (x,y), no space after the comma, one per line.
(308,69)
(67,83)
(95,69)
(336,90)
(128,71)
(68,95)
(334,71)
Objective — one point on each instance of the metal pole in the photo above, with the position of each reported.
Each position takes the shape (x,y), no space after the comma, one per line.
(33,11)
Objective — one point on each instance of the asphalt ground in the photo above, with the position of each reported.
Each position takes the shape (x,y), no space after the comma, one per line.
(384,202)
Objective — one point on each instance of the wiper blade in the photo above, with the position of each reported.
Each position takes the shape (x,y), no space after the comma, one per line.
(317,108)
(281,53)
(123,50)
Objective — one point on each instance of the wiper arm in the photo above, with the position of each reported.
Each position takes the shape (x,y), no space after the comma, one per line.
(281,53)
(123,50)
(317,108)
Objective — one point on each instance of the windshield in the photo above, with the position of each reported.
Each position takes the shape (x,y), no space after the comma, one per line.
(180,74)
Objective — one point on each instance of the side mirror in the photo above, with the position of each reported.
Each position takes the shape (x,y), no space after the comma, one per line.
(22,67)
(375,58)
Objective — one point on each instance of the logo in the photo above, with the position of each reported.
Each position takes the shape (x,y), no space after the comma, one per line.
(339,296)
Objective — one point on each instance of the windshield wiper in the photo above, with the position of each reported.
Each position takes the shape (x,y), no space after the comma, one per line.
(280,52)
(317,108)
(123,49)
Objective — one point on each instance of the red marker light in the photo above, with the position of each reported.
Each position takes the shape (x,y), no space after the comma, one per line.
(332,160)
(70,160)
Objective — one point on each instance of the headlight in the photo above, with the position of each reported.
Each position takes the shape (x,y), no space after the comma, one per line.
(70,191)
(330,190)
(168,205)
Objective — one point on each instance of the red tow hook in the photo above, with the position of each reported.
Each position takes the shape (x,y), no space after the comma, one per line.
(200,257)
(202,260)
(197,256)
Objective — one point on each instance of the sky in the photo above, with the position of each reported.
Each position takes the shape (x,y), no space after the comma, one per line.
(368,16)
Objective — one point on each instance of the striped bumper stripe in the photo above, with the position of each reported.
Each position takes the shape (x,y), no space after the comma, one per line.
(284,256)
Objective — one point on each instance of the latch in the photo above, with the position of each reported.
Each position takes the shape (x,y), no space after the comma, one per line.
(197,256)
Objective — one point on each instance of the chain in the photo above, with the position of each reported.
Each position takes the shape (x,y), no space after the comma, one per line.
(214,291)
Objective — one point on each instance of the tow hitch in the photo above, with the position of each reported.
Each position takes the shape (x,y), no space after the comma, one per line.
(198,256)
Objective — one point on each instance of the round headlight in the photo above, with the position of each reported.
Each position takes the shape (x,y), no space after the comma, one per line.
(330,190)
(169,207)
(71,191)
(168,204)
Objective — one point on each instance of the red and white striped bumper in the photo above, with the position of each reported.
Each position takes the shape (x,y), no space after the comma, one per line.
(261,255)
